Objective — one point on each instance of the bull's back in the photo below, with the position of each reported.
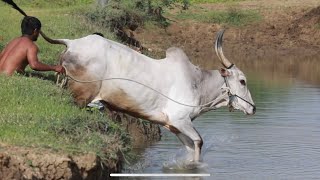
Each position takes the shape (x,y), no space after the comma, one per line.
(144,81)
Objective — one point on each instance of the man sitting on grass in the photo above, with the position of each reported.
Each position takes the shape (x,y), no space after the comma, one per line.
(22,51)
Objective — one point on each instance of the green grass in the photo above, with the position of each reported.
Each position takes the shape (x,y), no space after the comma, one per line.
(232,16)
(34,112)
(64,22)
(37,113)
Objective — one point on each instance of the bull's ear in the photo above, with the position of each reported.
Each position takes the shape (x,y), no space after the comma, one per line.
(224,72)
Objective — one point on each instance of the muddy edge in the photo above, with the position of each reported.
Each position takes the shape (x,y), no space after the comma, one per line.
(35,163)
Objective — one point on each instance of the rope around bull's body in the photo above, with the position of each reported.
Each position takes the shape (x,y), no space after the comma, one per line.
(206,105)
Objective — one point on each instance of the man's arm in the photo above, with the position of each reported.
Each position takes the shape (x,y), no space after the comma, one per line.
(35,64)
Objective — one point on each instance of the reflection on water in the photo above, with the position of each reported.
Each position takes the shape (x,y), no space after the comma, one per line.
(282,141)
(281,70)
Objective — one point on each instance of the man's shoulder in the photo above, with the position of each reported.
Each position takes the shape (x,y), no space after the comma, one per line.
(22,44)
(28,43)
(26,40)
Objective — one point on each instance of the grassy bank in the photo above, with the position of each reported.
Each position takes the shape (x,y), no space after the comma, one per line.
(34,112)
(232,16)
(229,15)
(63,22)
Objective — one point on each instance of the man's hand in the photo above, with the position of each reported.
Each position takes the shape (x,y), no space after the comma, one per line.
(59,69)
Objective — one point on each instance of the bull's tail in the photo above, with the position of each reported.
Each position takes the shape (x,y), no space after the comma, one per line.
(55,41)
(52,41)
(14,5)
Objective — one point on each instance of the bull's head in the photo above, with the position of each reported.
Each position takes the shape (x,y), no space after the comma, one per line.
(235,80)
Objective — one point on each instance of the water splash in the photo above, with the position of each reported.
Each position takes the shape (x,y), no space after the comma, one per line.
(182,160)
(172,160)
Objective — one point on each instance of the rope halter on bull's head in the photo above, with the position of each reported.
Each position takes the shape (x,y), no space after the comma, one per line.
(226,72)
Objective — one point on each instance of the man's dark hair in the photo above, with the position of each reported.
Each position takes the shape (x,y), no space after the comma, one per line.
(29,24)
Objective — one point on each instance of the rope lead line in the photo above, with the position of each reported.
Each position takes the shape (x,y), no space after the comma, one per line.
(211,103)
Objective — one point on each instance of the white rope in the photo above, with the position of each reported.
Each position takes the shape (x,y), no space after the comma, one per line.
(183,104)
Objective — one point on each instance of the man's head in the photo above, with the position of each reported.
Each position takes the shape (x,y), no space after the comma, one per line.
(31,26)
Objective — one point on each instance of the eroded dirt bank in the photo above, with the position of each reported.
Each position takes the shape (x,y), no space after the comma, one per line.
(142,133)
(288,29)
(27,163)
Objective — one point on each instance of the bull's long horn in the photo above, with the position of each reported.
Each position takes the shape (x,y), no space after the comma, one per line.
(218,47)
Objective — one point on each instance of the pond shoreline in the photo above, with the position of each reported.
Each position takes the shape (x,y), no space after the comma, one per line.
(39,163)
(287,29)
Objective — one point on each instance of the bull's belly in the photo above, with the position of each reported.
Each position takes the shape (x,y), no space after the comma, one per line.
(120,100)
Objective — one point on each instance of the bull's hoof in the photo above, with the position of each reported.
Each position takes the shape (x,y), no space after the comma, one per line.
(184,165)
(96,105)
(193,165)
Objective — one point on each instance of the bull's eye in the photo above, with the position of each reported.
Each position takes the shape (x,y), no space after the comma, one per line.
(243,82)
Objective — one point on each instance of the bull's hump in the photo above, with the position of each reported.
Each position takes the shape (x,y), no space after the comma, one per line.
(176,54)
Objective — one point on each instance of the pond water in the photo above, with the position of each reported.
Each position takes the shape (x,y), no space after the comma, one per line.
(281,141)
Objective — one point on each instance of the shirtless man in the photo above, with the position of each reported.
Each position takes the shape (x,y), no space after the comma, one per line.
(22,51)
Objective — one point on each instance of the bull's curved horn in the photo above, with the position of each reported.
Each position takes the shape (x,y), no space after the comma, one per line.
(218,47)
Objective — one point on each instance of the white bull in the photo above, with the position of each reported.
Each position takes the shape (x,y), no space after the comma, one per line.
(171,92)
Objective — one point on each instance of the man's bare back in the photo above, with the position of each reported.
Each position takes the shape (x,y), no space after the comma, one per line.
(22,51)
(14,56)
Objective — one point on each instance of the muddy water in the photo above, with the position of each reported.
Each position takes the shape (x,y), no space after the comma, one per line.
(282,141)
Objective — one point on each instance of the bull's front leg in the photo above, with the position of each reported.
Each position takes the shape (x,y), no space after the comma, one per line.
(189,136)
(197,150)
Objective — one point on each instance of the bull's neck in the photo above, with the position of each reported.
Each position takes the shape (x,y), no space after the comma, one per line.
(211,86)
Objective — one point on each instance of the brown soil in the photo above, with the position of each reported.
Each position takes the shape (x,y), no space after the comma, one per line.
(289,29)
(29,163)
